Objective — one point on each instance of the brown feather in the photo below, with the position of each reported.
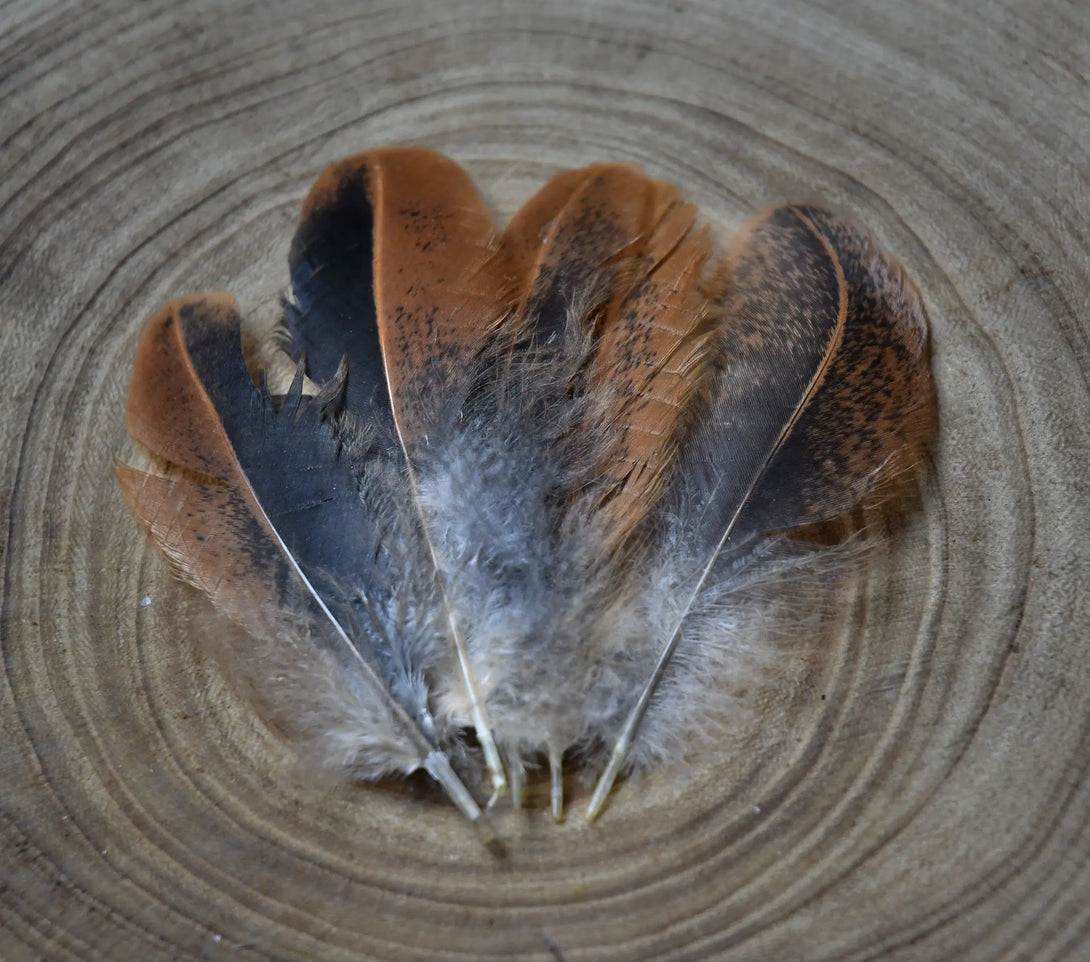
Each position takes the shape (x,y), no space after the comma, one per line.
(825,392)
(438,295)
(256,542)
(202,510)
(574,239)
(782,323)
(531,249)
(168,412)
(438,287)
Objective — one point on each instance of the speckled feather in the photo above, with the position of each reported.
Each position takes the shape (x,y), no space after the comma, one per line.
(824,393)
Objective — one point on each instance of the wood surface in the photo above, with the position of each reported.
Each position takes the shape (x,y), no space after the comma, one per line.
(918,785)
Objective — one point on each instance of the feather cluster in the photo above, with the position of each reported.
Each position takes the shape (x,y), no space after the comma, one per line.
(519,477)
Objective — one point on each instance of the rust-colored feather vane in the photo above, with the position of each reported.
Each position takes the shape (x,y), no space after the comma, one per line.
(610,254)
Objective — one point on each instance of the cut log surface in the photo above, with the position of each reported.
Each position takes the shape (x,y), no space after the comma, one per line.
(918,787)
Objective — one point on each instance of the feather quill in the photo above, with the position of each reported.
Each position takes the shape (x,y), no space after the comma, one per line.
(257,508)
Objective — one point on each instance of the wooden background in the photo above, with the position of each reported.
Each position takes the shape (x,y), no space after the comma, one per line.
(920,792)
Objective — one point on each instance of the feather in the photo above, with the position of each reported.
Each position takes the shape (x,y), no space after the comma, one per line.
(562,248)
(256,508)
(394,269)
(825,393)
(523,553)
(604,268)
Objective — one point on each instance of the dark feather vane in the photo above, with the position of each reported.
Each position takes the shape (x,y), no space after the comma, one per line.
(538,465)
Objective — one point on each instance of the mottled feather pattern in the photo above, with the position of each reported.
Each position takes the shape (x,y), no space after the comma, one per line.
(530,492)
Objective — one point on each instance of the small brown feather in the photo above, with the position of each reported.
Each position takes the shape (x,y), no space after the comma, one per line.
(577,236)
(782,323)
(200,509)
(824,393)
(530,235)
(168,412)
(873,415)
(438,291)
